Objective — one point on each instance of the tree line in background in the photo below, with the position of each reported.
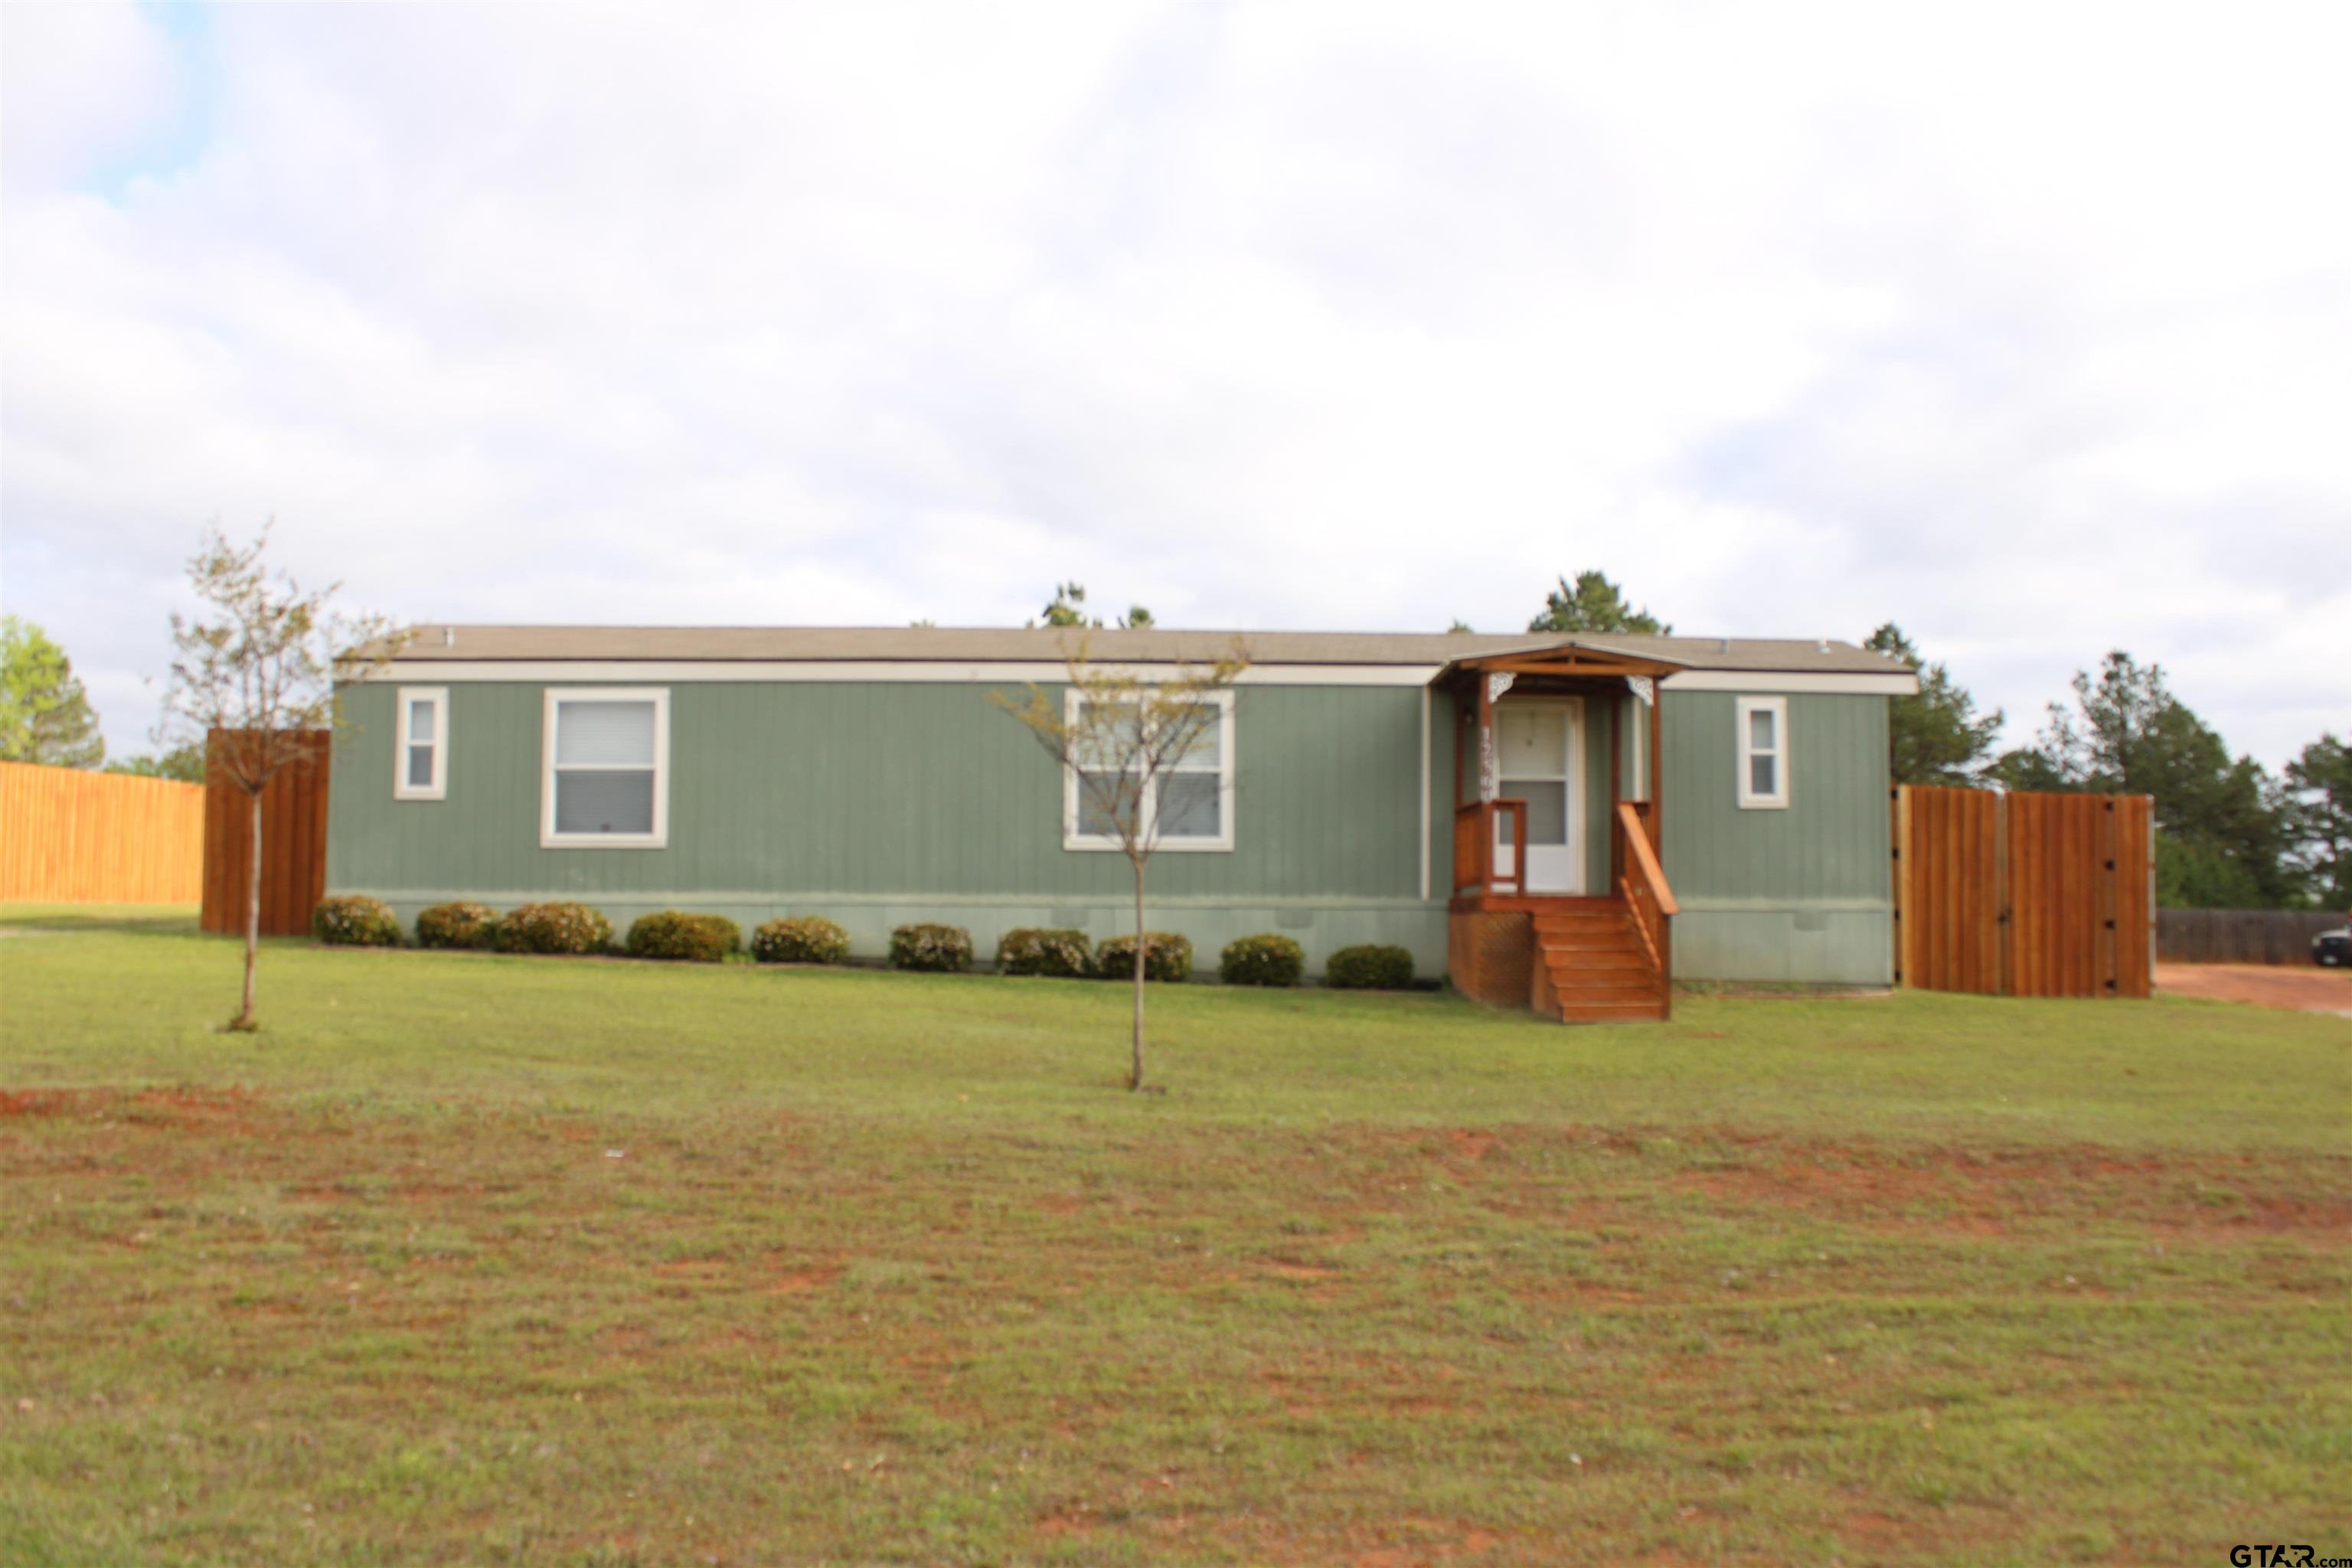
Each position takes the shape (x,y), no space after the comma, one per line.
(2229,833)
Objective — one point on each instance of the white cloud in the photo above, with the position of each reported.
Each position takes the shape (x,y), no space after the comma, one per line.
(78,85)
(2027,327)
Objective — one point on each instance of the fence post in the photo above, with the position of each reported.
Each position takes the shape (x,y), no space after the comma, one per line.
(2107,936)
(1899,826)
(2003,930)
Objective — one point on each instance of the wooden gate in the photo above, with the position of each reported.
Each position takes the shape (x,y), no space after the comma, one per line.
(2023,894)
(293,849)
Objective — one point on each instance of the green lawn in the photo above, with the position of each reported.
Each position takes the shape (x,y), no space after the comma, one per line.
(539,1261)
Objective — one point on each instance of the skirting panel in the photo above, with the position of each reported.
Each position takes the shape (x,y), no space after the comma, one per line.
(1820,947)
(1490,954)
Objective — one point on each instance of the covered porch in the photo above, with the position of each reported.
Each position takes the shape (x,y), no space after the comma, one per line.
(1558,900)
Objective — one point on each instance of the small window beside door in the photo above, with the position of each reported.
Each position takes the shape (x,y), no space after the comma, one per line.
(606,785)
(1763,753)
(421,744)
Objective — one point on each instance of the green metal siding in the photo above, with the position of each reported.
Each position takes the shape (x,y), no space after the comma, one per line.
(880,802)
(1451,781)
(1801,893)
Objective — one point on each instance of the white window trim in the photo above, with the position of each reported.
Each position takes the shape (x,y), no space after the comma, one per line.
(1096,842)
(1778,708)
(548,838)
(438,697)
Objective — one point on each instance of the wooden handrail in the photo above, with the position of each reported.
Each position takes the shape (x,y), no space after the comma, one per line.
(1517,810)
(1641,857)
(1469,848)
(1649,900)
(1473,846)
(1648,929)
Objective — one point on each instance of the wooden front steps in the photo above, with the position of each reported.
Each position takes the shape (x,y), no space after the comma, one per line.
(1581,961)
(1590,964)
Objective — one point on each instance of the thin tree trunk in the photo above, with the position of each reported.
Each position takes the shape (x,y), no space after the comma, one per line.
(1134,1068)
(244,1018)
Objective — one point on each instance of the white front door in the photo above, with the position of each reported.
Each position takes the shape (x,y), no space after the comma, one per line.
(1539,752)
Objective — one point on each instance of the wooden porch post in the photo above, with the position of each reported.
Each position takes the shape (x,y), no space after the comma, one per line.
(1657,769)
(1487,788)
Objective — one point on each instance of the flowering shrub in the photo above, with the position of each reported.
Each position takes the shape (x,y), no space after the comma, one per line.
(1370,967)
(804,939)
(554,928)
(937,948)
(355,922)
(1267,959)
(1166,956)
(456,926)
(695,938)
(1032,950)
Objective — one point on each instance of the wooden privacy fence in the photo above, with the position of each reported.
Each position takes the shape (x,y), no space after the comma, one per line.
(293,847)
(69,836)
(2240,936)
(2023,894)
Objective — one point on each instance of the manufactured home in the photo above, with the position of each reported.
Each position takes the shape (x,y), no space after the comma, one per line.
(1561,821)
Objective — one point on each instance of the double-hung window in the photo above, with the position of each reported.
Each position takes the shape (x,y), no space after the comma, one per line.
(421,744)
(1186,803)
(606,783)
(1763,753)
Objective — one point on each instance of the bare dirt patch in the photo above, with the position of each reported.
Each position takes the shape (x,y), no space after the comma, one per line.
(2311,990)
(1472,1145)
(49,1101)
(795,1281)
(195,1109)
(1984,1193)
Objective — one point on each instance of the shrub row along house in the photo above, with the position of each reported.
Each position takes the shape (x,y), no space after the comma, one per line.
(1561,820)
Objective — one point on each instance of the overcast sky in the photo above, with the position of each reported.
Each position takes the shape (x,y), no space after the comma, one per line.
(2029,329)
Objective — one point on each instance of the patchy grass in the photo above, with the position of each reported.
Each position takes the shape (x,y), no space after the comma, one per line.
(536,1261)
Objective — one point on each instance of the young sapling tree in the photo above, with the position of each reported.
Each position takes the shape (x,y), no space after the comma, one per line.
(253,683)
(1133,746)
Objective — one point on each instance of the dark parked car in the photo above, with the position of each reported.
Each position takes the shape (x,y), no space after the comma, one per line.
(2333,948)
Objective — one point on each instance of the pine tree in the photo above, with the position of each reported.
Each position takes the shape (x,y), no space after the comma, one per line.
(2223,826)
(44,715)
(1594,603)
(1935,737)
